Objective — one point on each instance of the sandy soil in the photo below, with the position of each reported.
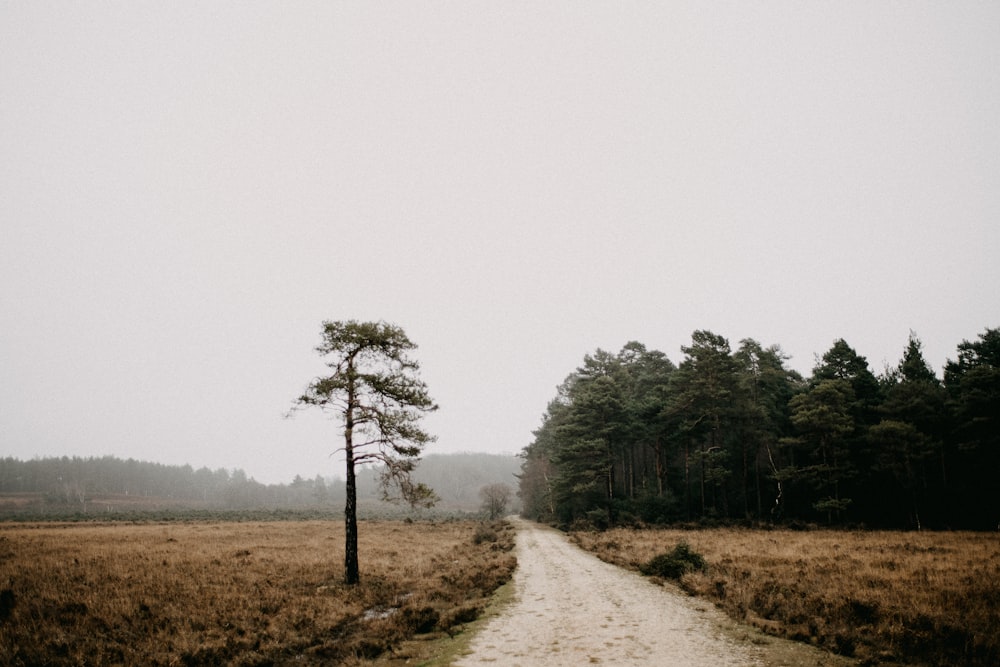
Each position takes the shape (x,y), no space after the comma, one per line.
(570,608)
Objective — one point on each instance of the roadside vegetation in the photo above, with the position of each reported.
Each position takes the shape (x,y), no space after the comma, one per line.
(238,593)
(927,598)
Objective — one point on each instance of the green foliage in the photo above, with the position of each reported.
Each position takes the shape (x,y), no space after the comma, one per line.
(674,564)
(972,382)
(374,391)
(738,437)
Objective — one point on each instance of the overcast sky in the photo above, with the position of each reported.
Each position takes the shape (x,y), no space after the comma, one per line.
(188,189)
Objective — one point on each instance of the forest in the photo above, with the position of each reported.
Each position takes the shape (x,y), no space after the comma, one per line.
(108,484)
(735,436)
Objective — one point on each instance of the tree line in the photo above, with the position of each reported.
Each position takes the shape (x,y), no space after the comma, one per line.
(80,480)
(58,484)
(736,435)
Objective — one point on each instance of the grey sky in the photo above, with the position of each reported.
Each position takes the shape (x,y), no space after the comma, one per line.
(188,189)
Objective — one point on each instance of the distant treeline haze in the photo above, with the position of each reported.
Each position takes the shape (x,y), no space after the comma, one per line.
(96,484)
(736,435)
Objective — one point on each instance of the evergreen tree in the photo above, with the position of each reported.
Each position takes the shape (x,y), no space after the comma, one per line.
(374,391)
(765,388)
(973,385)
(841,362)
(823,419)
(701,408)
(645,379)
(859,481)
(589,441)
(908,442)
(538,472)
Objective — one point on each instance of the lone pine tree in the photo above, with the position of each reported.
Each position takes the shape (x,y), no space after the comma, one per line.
(375,392)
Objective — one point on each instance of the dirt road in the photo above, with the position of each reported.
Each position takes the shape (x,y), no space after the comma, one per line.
(570,608)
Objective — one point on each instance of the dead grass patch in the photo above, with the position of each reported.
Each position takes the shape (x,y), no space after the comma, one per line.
(920,598)
(235,593)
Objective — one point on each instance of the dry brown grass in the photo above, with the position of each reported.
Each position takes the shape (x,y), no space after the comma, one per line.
(235,593)
(921,598)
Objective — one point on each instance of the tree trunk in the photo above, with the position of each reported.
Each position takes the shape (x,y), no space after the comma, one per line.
(631,472)
(687,480)
(351,571)
(660,468)
(746,479)
(351,574)
(701,472)
(756,479)
(611,495)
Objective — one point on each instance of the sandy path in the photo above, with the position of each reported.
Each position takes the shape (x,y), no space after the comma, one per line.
(570,608)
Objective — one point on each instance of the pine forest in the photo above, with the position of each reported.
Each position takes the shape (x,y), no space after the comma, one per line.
(735,436)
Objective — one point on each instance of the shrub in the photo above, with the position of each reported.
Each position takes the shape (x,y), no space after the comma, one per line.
(420,620)
(458,616)
(674,564)
(484,533)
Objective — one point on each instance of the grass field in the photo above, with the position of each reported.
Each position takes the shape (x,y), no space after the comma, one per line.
(254,593)
(881,597)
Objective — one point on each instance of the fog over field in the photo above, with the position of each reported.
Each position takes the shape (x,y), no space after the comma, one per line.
(187,190)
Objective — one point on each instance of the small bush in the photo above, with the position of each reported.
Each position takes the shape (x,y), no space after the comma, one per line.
(420,620)
(460,615)
(674,564)
(484,533)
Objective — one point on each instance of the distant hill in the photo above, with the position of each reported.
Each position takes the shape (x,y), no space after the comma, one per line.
(109,485)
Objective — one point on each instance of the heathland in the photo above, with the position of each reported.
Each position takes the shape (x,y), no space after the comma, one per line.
(271,592)
(915,598)
(238,593)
